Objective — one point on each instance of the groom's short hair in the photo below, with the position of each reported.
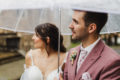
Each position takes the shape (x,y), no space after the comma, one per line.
(99,19)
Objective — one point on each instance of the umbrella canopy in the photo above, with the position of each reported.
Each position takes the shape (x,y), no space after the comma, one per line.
(24,15)
(26,20)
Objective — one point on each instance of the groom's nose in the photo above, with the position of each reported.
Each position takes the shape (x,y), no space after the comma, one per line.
(71,26)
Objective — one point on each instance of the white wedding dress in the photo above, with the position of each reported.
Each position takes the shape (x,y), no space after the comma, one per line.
(34,73)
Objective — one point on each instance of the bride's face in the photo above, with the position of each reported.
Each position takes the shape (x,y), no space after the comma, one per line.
(38,42)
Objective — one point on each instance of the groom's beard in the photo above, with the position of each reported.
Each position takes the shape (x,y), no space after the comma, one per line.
(82,37)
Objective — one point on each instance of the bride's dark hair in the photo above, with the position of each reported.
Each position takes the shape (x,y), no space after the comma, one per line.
(50,30)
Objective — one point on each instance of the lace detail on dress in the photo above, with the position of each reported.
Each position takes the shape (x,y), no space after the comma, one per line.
(34,73)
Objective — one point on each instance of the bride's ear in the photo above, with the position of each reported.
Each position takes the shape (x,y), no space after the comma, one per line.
(48,40)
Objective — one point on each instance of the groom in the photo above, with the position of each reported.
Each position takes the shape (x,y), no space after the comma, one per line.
(93,59)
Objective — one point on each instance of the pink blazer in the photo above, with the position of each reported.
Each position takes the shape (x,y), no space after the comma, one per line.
(102,63)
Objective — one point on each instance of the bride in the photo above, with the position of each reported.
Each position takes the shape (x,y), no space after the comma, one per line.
(42,62)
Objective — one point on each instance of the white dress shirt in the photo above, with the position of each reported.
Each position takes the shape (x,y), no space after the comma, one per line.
(83,55)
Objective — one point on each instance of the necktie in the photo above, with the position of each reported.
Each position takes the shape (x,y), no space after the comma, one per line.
(82,56)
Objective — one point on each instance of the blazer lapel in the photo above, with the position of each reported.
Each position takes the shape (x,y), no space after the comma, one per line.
(91,59)
(72,68)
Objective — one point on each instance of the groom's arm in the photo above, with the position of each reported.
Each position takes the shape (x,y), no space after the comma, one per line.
(65,72)
(111,71)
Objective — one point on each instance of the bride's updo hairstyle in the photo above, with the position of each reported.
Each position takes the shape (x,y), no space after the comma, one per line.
(50,30)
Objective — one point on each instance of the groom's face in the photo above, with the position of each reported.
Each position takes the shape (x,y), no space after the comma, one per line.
(79,30)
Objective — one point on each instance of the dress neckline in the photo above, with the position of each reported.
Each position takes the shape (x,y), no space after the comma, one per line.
(55,70)
(33,65)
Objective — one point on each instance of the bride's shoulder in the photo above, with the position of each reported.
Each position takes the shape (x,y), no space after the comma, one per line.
(30,55)
(33,51)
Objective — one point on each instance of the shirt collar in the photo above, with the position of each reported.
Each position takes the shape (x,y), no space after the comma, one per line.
(90,47)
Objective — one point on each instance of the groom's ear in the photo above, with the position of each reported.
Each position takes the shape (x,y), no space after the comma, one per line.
(92,28)
(48,40)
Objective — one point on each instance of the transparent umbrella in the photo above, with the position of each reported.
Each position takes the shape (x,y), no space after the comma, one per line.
(26,20)
(34,12)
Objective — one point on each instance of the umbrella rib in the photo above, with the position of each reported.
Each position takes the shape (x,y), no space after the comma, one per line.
(21,14)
